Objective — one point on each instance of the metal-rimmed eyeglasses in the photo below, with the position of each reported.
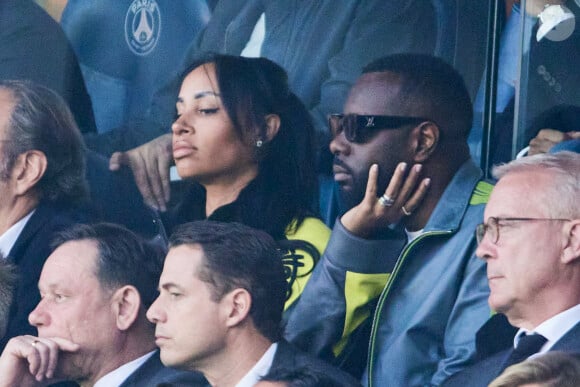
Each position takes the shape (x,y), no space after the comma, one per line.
(492,226)
(356,127)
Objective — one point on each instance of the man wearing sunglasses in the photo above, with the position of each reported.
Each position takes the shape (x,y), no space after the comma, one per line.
(406,246)
(531,243)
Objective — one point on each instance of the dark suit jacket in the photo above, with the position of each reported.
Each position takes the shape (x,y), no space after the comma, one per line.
(29,254)
(483,372)
(288,357)
(153,373)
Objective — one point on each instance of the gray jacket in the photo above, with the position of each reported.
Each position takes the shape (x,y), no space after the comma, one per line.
(432,293)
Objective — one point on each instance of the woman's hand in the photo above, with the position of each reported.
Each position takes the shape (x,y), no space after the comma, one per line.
(401,198)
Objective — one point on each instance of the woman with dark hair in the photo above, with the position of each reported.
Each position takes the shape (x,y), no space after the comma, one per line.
(245,142)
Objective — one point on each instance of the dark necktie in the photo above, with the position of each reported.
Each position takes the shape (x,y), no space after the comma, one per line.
(526,347)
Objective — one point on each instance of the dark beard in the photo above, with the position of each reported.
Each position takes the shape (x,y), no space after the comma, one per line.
(351,198)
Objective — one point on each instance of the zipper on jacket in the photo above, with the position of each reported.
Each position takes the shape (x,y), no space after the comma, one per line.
(385,292)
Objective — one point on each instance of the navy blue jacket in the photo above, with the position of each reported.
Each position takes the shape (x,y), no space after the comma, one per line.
(153,373)
(483,372)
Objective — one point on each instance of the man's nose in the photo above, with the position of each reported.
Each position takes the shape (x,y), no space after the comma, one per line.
(339,145)
(153,313)
(38,316)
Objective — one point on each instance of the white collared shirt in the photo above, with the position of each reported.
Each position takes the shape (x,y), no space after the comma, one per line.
(116,377)
(554,328)
(9,238)
(259,369)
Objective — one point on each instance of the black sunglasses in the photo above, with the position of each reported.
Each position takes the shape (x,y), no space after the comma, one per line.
(356,127)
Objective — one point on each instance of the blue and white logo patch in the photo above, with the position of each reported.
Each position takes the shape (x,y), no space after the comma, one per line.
(142,26)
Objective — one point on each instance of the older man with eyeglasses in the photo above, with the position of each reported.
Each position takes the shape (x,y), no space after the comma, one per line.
(531,243)
(405,250)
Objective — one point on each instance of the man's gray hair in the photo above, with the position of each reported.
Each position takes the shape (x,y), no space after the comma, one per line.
(564,167)
(7,284)
(42,121)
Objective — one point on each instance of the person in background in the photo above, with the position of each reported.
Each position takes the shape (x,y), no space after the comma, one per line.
(34,47)
(550,140)
(554,130)
(323,47)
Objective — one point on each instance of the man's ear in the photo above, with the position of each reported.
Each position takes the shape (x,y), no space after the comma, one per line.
(272,126)
(571,252)
(126,305)
(237,303)
(425,140)
(29,168)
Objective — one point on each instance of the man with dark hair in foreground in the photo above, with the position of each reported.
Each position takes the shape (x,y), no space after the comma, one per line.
(219,312)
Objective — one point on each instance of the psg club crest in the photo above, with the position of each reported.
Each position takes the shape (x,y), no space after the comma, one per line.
(142,26)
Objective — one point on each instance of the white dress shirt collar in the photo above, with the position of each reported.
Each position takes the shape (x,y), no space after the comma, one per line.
(555,327)
(9,238)
(116,377)
(260,369)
